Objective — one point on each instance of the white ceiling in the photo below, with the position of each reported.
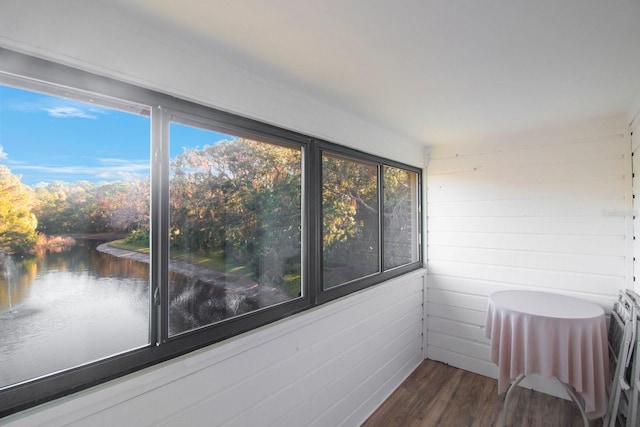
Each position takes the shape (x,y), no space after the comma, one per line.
(437,70)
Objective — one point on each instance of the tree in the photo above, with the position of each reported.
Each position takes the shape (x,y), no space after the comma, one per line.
(17,222)
(85,207)
(61,207)
(242,198)
(400,211)
(349,189)
(129,203)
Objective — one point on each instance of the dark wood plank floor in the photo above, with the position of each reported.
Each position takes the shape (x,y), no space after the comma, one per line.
(436,394)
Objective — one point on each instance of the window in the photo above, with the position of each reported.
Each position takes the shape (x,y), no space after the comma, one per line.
(74,180)
(401,222)
(350,224)
(370,220)
(235,226)
(132,234)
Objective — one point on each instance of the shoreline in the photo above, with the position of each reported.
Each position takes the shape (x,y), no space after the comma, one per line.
(123,253)
(230,282)
(202,274)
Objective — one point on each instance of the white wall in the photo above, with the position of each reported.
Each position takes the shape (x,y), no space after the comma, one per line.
(635,147)
(549,210)
(329,366)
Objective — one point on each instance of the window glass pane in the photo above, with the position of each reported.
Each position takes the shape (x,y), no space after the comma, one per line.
(349,219)
(74,189)
(400,217)
(235,226)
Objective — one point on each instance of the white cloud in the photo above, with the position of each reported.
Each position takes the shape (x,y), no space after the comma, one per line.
(112,169)
(69,112)
(3,155)
(124,164)
(59,108)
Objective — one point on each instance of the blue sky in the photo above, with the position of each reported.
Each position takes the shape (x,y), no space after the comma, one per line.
(46,138)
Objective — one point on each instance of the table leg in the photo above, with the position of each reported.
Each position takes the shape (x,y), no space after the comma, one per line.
(575,399)
(513,385)
(521,377)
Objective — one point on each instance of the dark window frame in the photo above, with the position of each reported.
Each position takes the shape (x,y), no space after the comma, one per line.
(325,295)
(55,78)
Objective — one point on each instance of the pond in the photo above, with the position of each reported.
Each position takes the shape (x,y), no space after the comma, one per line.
(61,310)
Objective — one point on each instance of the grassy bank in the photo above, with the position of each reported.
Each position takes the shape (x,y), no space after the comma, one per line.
(211,260)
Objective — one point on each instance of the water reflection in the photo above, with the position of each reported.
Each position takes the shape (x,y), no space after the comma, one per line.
(61,310)
(15,279)
(200,297)
(64,309)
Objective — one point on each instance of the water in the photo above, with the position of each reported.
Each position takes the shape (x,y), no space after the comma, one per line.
(10,272)
(61,310)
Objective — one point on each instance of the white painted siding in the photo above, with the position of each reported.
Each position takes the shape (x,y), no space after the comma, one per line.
(635,147)
(331,366)
(549,210)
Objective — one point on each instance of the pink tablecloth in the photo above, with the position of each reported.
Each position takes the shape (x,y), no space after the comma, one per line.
(550,335)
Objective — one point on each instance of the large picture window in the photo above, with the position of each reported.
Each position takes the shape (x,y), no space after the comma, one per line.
(235,226)
(136,227)
(74,186)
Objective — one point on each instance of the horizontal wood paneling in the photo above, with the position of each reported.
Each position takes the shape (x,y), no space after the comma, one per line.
(452,358)
(527,168)
(319,360)
(541,207)
(635,144)
(335,363)
(552,213)
(544,279)
(603,225)
(483,288)
(551,153)
(349,395)
(597,264)
(468,331)
(460,345)
(457,299)
(461,314)
(564,244)
(311,385)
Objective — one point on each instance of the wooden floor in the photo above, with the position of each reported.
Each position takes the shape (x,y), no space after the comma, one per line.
(436,394)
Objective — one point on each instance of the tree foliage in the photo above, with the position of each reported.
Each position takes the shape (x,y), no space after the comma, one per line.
(85,207)
(349,203)
(400,195)
(17,222)
(240,197)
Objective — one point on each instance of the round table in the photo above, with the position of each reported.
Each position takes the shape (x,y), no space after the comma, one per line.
(551,335)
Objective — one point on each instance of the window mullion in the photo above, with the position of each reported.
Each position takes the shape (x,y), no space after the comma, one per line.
(313,201)
(159,224)
(381,266)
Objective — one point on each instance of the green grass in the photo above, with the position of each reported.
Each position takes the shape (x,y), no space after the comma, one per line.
(216,261)
(211,260)
(123,244)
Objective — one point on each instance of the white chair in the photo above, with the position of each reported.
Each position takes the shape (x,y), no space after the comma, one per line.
(622,333)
